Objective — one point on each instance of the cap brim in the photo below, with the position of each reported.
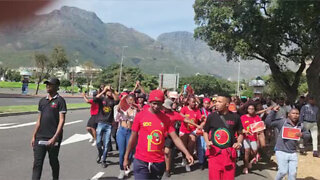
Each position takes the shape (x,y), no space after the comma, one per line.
(46,82)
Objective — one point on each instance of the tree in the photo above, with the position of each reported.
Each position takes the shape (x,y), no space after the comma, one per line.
(258,29)
(59,58)
(65,83)
(12,75)
(208,85)
(80,81)
(44,65)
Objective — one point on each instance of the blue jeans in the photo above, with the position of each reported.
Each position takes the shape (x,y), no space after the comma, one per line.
(201,145)
(123,136)
(103,131)
(287,164)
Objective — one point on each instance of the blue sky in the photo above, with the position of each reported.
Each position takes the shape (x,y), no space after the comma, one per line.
(152,17)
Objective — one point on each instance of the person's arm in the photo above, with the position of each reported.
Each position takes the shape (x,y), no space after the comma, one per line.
(177,141)
(103,91)
(238,144)
(85,97)
(271,120)
(131,144)
(115,95)
(35,130)
(206,139)
(186,120)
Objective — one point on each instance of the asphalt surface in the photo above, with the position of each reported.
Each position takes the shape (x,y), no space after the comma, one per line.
(77,160)
(32,101)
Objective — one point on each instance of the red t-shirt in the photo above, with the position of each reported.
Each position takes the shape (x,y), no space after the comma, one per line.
(174,116)
(246,121)
(194,115)
(152,129)
(94,109)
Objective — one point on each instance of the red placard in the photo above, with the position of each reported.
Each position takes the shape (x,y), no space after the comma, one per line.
(290,133)
(257,127)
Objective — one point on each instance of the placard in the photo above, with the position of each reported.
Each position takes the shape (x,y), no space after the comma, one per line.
(290,133)
(257,127)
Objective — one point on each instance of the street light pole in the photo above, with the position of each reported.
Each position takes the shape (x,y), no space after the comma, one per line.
(121,67)
(238,86)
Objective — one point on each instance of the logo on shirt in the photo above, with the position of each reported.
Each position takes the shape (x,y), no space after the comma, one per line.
(230,122)
(54,105)
(106,109)
(146,124)
(154,140)
(221,136)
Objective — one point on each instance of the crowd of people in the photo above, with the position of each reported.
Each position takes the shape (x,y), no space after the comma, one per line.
(151,129)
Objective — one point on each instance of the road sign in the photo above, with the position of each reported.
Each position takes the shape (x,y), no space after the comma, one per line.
(169,81)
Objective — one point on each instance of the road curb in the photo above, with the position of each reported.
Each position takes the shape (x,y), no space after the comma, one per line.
(33,112)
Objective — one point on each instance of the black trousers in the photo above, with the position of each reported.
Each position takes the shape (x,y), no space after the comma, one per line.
(40,152)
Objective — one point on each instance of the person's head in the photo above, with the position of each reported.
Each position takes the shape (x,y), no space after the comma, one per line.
(174,106)
(294,115)
(222,103)
(156,98)
(52,85)
(109,93)
(251,109)
(131,99)
(302,99)
(311,100)
(141,98)
(206,103)
(192,102)
(173,95)
(167,105)
(281,101)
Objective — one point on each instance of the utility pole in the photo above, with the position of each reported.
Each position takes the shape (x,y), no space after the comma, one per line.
(121,68)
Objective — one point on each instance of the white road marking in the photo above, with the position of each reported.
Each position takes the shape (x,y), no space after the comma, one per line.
(97,176)
(76,138)
(19,125)
(73,122)
(7,124)
(30,124)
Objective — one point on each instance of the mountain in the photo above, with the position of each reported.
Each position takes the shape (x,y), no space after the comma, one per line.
(198,53)
(85,37)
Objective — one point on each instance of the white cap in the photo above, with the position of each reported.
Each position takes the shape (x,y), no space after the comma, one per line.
(173,94)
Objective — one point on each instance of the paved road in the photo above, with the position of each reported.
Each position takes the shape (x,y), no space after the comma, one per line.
(77,160)
(31,101)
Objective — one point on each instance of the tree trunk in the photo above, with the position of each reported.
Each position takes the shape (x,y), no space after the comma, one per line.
(291,90)
(38,84)
(313,80)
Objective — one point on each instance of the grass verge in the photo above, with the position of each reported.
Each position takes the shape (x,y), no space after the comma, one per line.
(31,108)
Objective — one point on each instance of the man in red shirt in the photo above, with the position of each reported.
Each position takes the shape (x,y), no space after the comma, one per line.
(219,134)
(151,125)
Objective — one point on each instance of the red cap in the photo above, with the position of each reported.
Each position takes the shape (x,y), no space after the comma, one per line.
(156,95)
(123,94)
(206,100)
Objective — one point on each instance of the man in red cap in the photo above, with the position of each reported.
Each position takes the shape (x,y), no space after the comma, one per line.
(219,134)
(151,125)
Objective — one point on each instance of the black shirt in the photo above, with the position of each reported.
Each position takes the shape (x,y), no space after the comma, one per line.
(106,105)
(221,135)
(49,121)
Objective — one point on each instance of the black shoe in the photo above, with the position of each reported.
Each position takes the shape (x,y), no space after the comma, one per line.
(167,174)
(303,152)
(104,164)
(202,166)
(315,154)
(99,159)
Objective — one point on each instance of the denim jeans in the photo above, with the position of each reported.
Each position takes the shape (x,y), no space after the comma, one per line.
(40,152)
(201,145)
(123,136)
(103,131)
(287,164)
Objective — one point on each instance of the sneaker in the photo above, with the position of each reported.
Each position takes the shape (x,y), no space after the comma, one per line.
(121,175)
(184,162)
(91,140)
(94,143)
(202,166)
(315,154)
(188,169)
(166,174)
(245,171)
(99,159)
(127,172)
(303,152)
(104,164)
